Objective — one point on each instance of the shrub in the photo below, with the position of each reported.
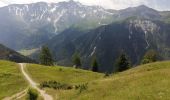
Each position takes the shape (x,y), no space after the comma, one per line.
(81,87)
(60,69)
(32,94)
(150,56)
(106,74)
(55,85)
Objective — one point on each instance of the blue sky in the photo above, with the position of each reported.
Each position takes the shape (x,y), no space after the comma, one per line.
(111,4)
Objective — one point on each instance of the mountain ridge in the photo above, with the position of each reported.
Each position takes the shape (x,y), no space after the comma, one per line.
(41,21)
(37,23)
(8,54)
(134,36)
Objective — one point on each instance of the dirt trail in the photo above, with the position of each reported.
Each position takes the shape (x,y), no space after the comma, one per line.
(16,96)
(34,84)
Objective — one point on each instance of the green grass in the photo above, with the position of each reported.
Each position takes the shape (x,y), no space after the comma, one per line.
(61,74)
(11,79)
(67,75)
(145,82)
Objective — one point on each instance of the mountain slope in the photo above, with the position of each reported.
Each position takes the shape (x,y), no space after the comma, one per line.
(31,25)
(134,31)
(8,54)
(134,36)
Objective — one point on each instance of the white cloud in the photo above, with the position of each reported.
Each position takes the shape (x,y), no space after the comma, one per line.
(104,3)
(113,4)
(2,4)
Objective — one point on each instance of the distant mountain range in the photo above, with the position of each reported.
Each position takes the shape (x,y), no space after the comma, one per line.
(9,54)
(69,27)
(31,25)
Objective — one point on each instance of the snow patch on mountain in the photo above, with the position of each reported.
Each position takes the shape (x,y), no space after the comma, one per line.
(57,19)
(146,26)
(42,14)
(49,19)
(26,7)
(53,9)
(83,15)
(52,14)
(94,50)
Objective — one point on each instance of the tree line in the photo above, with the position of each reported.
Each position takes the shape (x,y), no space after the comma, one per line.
(122,63)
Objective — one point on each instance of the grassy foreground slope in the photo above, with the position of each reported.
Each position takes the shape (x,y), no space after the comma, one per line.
(61,74)
(11,79)
(146,82)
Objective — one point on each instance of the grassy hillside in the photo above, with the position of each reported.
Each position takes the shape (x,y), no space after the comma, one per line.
(11,80)
(61,74)
(146,82)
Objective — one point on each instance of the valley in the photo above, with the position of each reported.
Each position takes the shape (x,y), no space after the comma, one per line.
(9,54)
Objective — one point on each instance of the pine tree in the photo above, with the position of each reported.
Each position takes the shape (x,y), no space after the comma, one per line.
(45,56)
(76,60)
(122,63)
(94,65)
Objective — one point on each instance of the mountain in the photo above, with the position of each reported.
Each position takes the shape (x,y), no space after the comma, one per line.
(141,12)
(8,54)
(135,35)
(28,26)
(69,27)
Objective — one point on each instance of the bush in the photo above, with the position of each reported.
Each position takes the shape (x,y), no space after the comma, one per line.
(106,74)
(55,85)
(81,87)
(60,69)
(150,56)
(32,94)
